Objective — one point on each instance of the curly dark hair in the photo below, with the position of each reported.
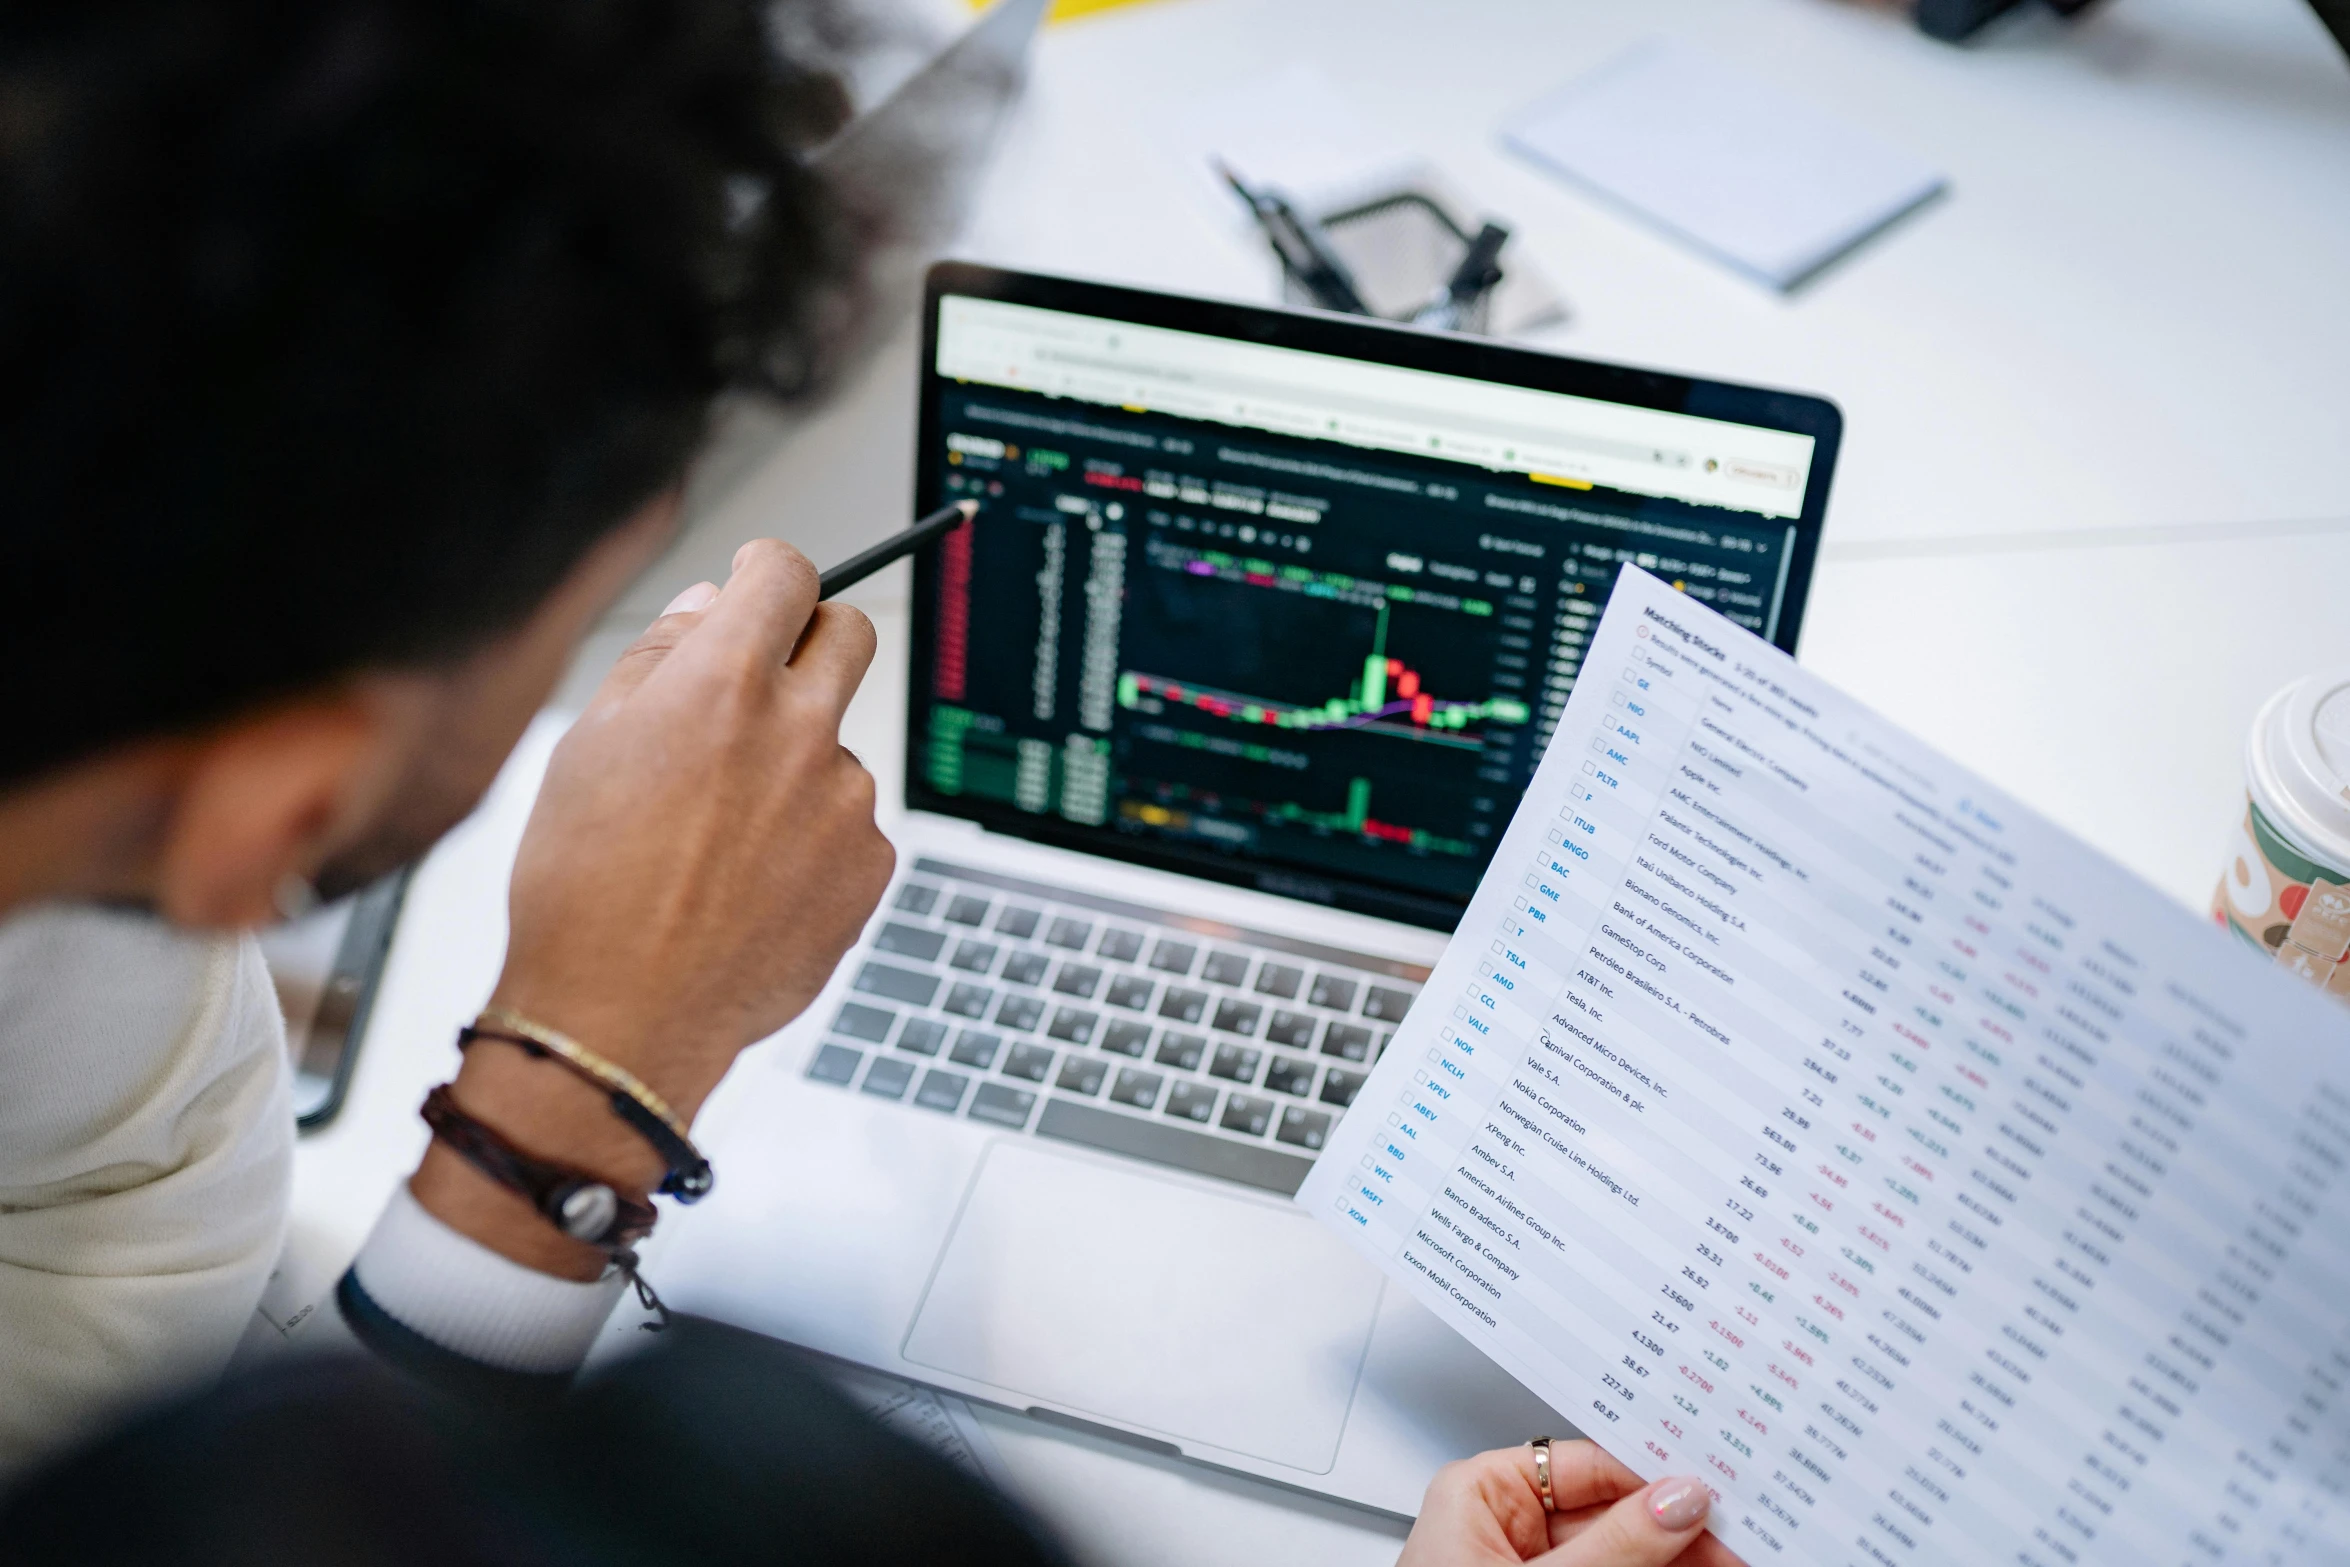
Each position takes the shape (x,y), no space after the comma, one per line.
(334,332)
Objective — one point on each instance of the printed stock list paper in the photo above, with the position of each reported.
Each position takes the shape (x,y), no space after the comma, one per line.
(1795,1110)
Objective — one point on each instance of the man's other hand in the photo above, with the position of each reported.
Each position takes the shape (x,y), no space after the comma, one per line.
(702,853)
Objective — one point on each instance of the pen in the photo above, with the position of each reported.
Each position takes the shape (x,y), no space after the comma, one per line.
(858,567)
(1479,270)
(1302,246)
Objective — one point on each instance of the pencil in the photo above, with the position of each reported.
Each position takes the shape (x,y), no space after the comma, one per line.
(858,567)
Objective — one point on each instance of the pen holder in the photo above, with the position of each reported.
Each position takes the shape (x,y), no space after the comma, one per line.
(1401,248)
(1403,245)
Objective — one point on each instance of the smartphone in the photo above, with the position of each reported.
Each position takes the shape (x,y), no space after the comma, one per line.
(326,966)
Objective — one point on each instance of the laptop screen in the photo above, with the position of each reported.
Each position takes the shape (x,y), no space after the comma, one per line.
(1295,601)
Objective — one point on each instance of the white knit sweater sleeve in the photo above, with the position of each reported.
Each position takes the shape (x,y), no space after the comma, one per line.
(146,1146)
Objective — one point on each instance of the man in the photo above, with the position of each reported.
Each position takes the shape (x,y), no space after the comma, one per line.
(353,355)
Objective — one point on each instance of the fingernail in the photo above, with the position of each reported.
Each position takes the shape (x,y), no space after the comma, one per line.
(1679,1504)
(696,597)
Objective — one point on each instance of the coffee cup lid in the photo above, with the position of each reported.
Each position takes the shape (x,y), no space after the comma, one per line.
(2299,764)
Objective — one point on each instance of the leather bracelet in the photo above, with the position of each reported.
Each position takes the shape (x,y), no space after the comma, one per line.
(689,1176)
(581,1205)
(574,1202)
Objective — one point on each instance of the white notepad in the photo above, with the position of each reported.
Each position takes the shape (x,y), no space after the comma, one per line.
(1794,1109)
(1753,176)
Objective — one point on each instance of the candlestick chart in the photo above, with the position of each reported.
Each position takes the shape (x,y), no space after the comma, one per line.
(1326,690)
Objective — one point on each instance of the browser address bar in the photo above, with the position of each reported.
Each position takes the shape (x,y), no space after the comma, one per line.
(1142,375)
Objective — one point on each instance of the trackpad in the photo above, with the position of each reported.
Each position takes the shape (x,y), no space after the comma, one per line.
(1150,1303)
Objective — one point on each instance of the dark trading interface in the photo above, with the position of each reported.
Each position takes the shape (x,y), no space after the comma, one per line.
(1289,652)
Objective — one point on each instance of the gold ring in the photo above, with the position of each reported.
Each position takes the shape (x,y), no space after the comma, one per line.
(1541,1446)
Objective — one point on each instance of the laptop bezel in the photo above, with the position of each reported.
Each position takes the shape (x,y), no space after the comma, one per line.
(1353,337)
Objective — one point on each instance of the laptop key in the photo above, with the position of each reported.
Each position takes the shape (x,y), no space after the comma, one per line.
(888,1077)
(941,1090)
(1348,1041)
(835,1064)
(1285,1076)
(1077,980)
(1018,923)
(1066,932)
(1074,1024)
(1026,968)
(1274,980)
(1002,1104)
(1332,992)
(1248,1114)
(975,956)
(1305,1128)
(1185,1006)
(868,1023)
(1388,1006)
(1126,1039)
(1191,1101)
(975,1049)
(1131,991)
(967,910)
(1119,946)
(922,1035)
(1295,1029)
(1139,1089)
(1339,1086)
(917,897)
(911,941)
(1019,1011)
(1173,957)
(1082,1075)
(1180,1051)
(1237,1062)
(1238,1017)
(967,1000)
(897,984)
(1031,1062)
(1225,968)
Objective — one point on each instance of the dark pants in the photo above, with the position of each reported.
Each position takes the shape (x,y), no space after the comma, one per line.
(715,1447)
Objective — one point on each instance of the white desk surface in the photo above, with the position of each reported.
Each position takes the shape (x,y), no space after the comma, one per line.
(2091,507)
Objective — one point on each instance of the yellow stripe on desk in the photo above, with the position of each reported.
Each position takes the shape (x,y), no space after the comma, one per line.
(1063,10)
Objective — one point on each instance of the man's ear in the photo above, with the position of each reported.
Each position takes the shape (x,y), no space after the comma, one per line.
(263,798)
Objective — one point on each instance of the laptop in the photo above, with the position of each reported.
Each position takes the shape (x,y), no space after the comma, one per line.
(1215,716)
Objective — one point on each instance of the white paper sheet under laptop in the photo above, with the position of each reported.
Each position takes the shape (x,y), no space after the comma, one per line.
(1796,1110)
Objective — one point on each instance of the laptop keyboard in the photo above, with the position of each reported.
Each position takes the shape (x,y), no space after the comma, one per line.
(1139,1031)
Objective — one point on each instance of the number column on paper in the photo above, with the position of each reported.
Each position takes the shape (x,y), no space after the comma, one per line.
(1585,1097)
(1447,1183)
(1668,973)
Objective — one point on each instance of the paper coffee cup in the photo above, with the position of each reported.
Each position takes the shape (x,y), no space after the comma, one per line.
(2286,889)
